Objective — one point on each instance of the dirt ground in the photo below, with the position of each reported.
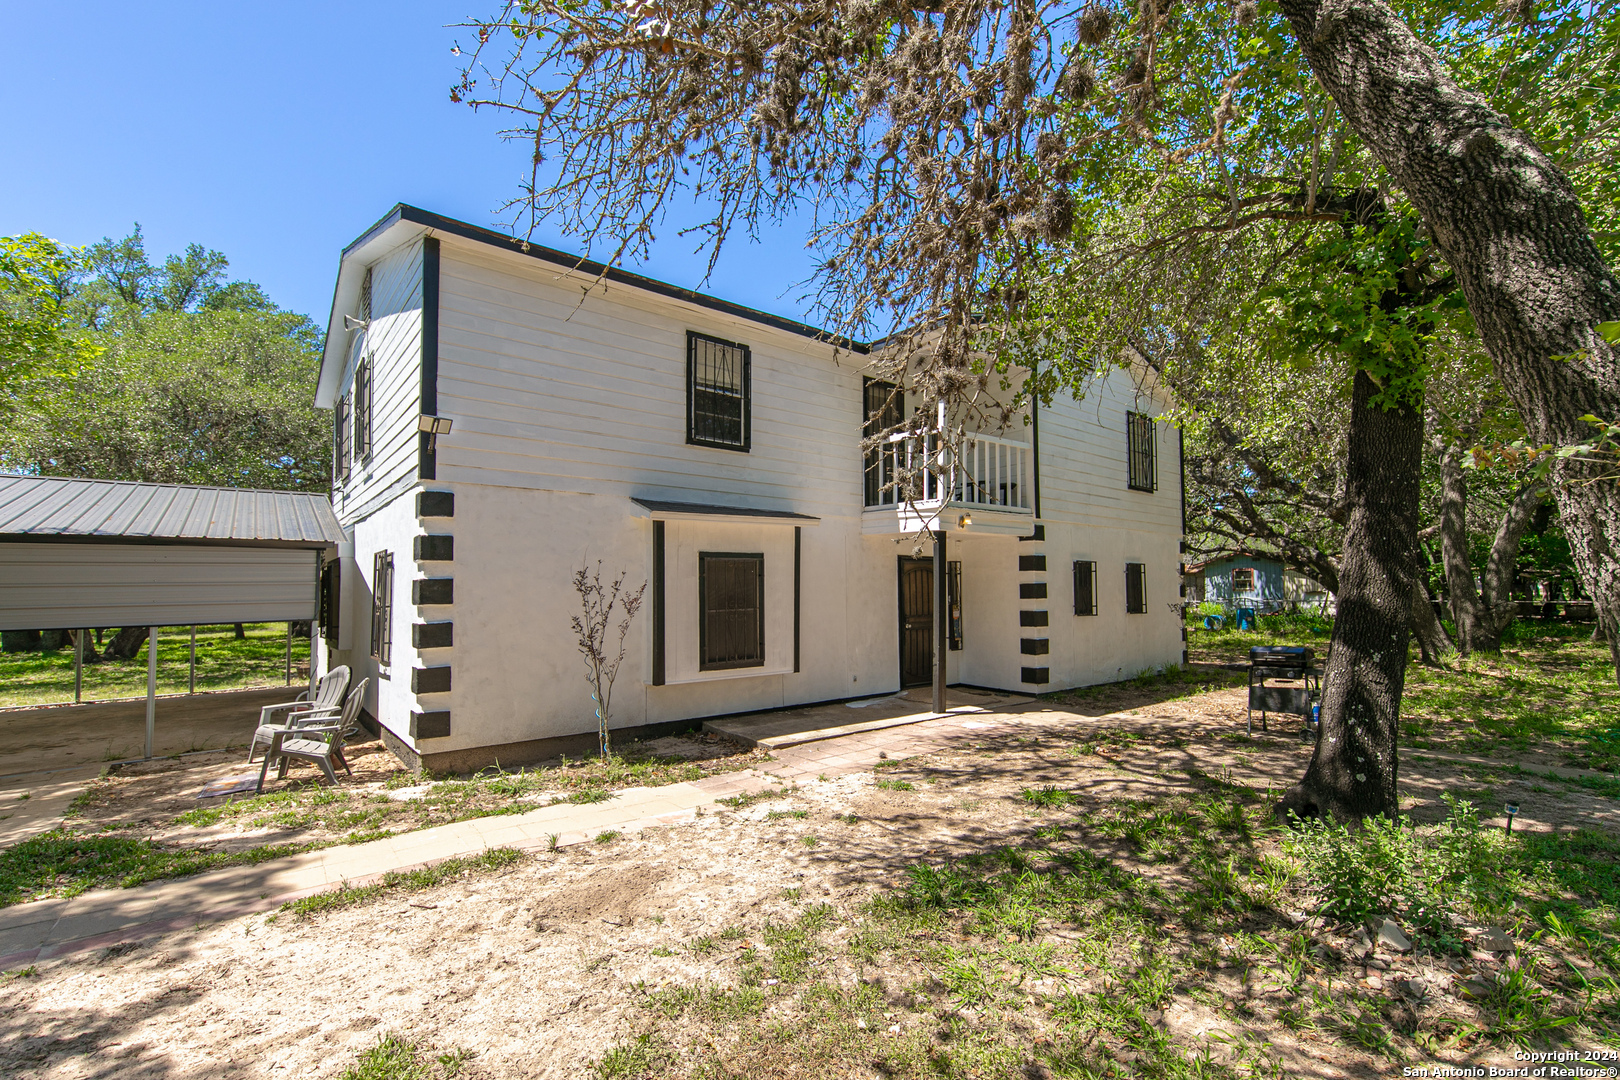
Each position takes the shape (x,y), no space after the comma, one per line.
(541,969)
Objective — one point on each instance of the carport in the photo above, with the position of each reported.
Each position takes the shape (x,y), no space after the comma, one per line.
(88,553)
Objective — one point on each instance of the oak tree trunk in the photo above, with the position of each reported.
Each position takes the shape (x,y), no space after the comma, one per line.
(126,643)
(1352,773)
(1433,641)
(1510,225)
(1501,565)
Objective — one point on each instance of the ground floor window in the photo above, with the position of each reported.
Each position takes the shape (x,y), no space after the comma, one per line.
(953,600)
(1085,587)
(382,607)
(1136,588)
(731,610)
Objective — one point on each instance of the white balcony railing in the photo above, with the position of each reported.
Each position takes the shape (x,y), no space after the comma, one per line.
(992,472)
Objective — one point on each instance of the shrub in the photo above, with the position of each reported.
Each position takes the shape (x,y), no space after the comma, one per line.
(1390,867)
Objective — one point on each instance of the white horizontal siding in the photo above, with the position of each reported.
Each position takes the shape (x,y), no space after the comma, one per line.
(1085,473)
(394,341)
(548,391)
(66,586)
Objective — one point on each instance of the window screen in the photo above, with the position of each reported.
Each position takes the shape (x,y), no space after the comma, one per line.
(883,412)
(731,610)
(1140,450)
(717,375)
(1136,588)
(1085,587)
(382,607)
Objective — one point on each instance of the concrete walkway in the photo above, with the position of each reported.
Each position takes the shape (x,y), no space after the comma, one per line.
(105,917)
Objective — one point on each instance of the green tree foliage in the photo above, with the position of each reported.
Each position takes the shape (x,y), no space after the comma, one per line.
(34,330)
(180,376)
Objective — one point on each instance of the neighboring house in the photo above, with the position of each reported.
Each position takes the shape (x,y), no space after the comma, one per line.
(713,452)
(1251,580)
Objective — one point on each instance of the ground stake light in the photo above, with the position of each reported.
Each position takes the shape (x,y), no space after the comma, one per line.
(1512,809)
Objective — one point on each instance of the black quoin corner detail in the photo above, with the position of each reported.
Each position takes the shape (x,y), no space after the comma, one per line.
(798,562)
(433,590)
(1038,535)
(1032,562)
(658,603)
(1035,646)
(436,548)
(433,635)
(436,504)
(430,680)
(430,725)
(1032,618)
(1032,590)
(1038,675)
(427,458)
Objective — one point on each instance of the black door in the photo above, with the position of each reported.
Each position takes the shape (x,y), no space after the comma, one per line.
(916,622)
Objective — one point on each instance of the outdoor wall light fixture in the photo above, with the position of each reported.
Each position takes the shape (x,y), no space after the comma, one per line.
(352,323)
(433,427)
(964,521)
(1512,809)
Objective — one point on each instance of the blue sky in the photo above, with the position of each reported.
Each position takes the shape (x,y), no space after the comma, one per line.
(276,133)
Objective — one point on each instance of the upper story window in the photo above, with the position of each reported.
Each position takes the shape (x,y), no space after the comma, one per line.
(1243,580)
(362,409)
(1140,450)
(883,406)
(717,392)
(340,439)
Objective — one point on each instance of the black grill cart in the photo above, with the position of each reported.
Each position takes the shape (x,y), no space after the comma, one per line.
(1283,679)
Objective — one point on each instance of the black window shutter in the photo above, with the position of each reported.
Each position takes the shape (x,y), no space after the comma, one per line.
(1085,587)
(331,598)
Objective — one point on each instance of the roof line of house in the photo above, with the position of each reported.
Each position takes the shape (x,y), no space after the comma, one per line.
(439,223)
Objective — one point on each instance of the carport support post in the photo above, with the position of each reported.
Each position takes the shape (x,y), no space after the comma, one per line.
(289,654)
(942,617)
(151,686)
(191,684)
(78,665)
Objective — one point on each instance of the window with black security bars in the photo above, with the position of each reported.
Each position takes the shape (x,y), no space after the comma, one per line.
(717,392)
(340,439)
(1085,587)
(953,602)
(362,409)
(731,610)
(883,411)
(1140,447)
(1136,588)
(382,607)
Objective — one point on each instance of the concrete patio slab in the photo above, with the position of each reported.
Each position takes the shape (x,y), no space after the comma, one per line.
(795,727)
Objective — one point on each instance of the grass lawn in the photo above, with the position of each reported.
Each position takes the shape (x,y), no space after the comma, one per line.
(223,663)
(1550,693)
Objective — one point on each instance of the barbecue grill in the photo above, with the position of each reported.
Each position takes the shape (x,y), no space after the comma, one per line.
(1293,665)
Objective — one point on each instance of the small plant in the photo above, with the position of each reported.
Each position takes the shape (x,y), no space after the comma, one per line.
(553,841)
(1048,797)
(607,836)
(586,796)
(633,1058)
(809,841)
(593,625)
(778,815)
(896,785)
(391,1059)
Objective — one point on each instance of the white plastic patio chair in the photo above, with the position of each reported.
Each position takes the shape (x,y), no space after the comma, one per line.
(320,742)
(325,704)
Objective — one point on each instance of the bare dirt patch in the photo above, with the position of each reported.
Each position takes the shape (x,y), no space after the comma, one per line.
(1091,895)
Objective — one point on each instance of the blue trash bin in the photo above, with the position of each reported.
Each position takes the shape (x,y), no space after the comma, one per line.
(1245,618)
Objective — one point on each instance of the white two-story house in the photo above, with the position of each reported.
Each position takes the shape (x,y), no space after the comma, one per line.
(713,452)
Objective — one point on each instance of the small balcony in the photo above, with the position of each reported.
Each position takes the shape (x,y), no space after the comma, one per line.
(912,484)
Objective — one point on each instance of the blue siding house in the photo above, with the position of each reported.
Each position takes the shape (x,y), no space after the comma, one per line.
(1240,580)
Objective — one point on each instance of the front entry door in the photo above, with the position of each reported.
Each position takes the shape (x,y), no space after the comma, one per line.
(916,622)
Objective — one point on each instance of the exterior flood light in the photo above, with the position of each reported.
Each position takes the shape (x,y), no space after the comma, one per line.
(964,521)
(433,427)
(1512,809)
